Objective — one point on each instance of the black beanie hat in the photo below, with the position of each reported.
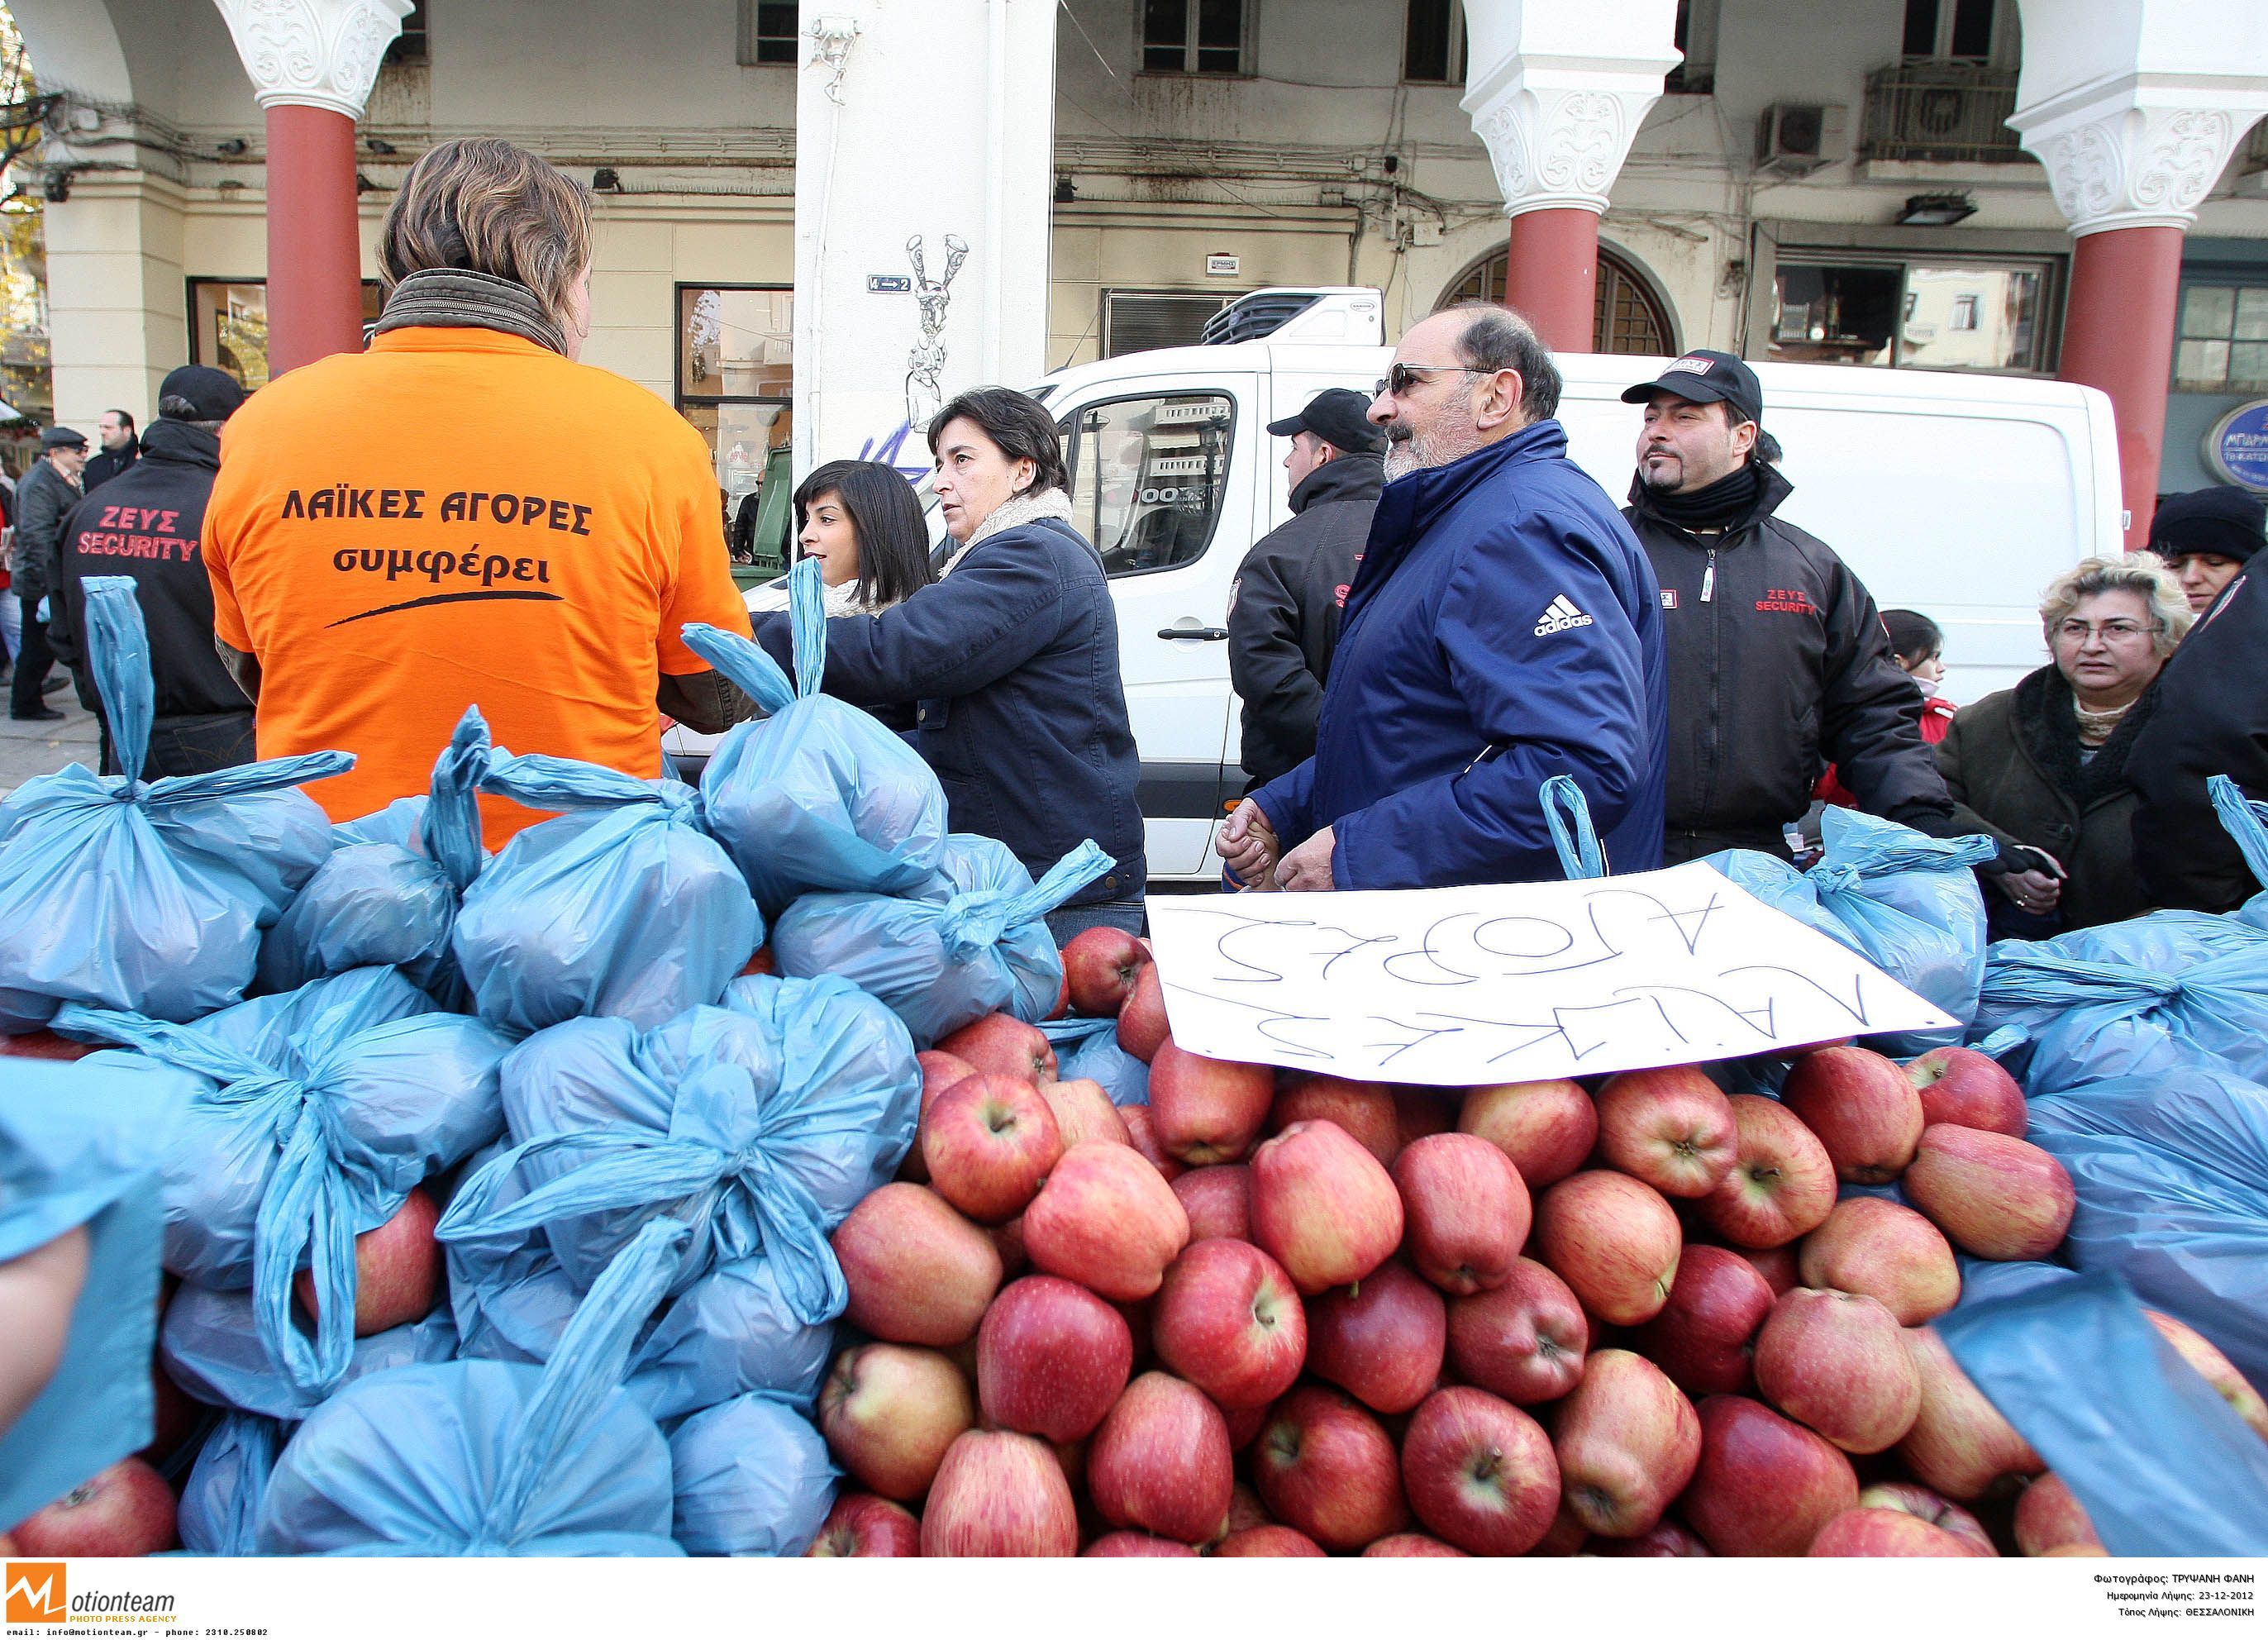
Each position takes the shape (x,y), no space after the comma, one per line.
(2225,521)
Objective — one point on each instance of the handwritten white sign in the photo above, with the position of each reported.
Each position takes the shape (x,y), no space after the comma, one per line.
(1455,986)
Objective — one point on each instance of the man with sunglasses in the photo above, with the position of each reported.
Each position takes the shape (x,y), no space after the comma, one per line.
(1500,630)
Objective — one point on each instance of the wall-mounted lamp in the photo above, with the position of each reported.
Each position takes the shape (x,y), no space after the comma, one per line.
(1936,210)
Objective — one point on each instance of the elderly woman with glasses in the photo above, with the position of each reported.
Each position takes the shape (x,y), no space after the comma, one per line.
(2043,767)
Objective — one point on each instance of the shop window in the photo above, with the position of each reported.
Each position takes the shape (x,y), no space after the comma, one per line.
(1626,317)
(1948,314)
(736,383)
(1147,477)
(769,33)
(1193,36)
(1433,42)
(2222,344)
(228,326)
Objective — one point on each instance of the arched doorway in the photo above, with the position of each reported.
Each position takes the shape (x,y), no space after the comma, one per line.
(1626,316)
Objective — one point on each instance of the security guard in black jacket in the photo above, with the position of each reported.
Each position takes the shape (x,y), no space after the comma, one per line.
(1778,664)
(1284,607)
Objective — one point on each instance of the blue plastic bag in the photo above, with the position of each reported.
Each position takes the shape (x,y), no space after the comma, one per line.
(318,1110)
(1089,1049)
(752,1477)
(817,796)
(210,1344)
(79,1148)
(2095,1021)
(2171,1174)
(220,1502)
(490,1458)
(624,905)
(974,941)
(146,896)
(2160,1463)
(387,894)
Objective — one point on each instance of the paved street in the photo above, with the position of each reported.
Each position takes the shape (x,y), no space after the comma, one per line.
(29,749)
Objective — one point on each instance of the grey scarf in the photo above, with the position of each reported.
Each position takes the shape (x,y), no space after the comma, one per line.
(456,299)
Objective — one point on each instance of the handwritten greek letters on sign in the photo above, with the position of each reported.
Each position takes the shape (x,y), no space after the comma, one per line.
(1455,986)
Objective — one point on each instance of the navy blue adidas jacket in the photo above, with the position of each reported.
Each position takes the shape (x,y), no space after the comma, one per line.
(1502,628)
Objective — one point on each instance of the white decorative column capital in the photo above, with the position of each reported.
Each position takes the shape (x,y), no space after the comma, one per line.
(2134,154)
(314,54)
(1556,93)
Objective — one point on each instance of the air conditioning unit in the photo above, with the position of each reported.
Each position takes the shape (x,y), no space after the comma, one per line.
(1794,139)
(1352,313)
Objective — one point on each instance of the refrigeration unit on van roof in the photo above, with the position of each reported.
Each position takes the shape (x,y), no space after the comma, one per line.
(1350,314)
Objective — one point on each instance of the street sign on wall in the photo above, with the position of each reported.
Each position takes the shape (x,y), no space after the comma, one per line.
(2236,448)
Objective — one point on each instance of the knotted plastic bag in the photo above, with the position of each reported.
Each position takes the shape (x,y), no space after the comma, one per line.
(220,1502)
(487,1457)
(623,905)
(210,1343)
(974,941)
(818,795)
(2095,1021)
(146,895)
(1089,1049)
(315,1114)
(387,894)
(752,1477)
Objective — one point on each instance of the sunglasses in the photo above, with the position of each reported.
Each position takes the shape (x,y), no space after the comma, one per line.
(1399,379)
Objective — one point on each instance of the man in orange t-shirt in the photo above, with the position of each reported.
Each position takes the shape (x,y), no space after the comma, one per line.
(382,557)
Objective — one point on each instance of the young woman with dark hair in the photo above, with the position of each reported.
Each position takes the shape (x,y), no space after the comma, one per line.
(1010,659)
(859,519)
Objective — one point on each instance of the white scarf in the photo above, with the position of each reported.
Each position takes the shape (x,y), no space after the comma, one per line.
(1029,507)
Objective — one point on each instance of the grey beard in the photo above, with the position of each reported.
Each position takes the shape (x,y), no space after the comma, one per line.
(1404,456)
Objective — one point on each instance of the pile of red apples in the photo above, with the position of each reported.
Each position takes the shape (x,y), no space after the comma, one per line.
(1282,1314)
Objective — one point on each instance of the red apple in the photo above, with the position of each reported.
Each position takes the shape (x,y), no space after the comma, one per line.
(1136,1545)
(174,1417)
(1566,1536)
(1887,1533)
(1466,1208)
(1704,1337)
(1002,1045)
(1670,1127)
(1380,1340)
(1613,1240)
(1322,1207)
(1142,1133)
(1366,1110)
(990,1142)
(1106,1220)
(1480,1471)
(1969,1089)
(1886,1252)
(1051,1359)
(1100,966)
(1765,1485)
(1228,1320)
(398,1270)
(45,1045)
(889,1411)
(2049,1519)
(1959,1443)
(1207,1111)
(1268,1542)
(1919,1501)
(1782,1185)
(1838,1362)
(1327,1469)
(918,1272)
(998,1494)
(1244,1426)
(1160,1460)
(1420,1111)
(1523,1340)
(1995,1196)
(1778,1266)
(1667,1541)
(2216,1369)
(1245,1508)
(940,1072)
(1412,1546)
(1546,1127)
(127,1510)
(1862,1106)
(1627,1441)
(1142,1024)
(1218,1201)
(862,1526)
(1083,1111)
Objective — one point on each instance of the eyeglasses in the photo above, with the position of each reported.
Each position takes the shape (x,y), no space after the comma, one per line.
(1399,379)
(2109,631)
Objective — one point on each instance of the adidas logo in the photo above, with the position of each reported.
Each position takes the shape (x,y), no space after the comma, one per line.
(1562,616)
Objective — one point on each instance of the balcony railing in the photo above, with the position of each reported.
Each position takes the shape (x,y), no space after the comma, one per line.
(1940,111)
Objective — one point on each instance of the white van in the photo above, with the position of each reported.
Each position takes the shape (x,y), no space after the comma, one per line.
(1959,496)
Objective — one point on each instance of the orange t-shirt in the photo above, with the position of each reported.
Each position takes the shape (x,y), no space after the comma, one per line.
(456,517)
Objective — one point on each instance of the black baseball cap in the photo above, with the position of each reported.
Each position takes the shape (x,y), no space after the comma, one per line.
(1340,418)
(214,393)
(1707,377)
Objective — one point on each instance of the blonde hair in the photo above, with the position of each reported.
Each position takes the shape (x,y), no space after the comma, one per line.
(2142,573)
(484,205)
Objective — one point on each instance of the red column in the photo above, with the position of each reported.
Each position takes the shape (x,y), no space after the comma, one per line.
(314,249)
(2118,335)
(1554,274)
